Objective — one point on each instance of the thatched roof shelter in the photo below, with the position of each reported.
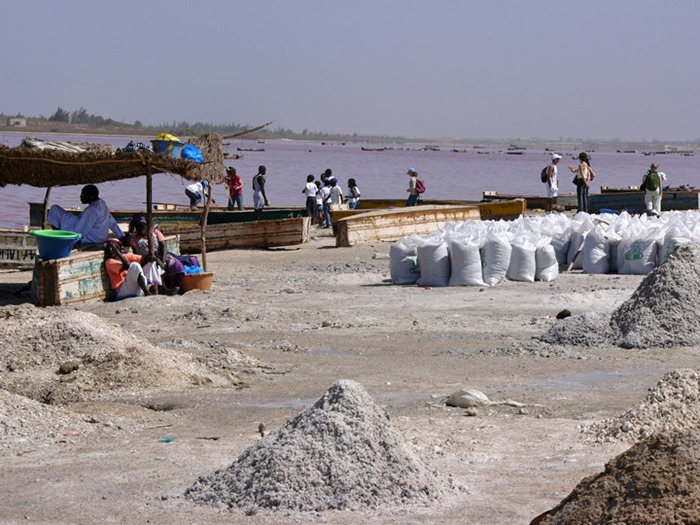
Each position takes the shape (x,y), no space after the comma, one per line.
(46,168)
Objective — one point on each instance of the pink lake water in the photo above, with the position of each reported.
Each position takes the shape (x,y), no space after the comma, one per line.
(379,174)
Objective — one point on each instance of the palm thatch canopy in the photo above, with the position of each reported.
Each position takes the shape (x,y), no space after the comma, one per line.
(47,168)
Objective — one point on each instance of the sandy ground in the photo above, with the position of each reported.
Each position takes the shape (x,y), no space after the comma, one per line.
(316,314)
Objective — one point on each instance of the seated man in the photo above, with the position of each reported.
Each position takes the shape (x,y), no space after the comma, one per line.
(126,277)
(93,223)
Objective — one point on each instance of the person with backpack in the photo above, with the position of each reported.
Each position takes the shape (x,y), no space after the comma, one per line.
(415,188)
(550,178)
(651,182)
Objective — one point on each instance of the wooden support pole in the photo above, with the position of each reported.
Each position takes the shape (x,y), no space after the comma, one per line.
(45,222)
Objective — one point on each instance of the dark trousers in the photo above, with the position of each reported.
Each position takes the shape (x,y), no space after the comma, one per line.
(582,196)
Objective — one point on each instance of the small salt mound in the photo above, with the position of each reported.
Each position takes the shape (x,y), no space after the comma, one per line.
(655,481)
(671,405)
(590,329)
(340,454)
(28,423)
(103,358)
(664,310)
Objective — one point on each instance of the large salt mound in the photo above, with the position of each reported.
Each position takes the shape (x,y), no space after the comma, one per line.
(671,405)
(342,453)
(664,310)
(655,481)
(105,358)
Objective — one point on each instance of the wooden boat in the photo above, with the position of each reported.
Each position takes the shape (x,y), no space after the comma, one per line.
(392,224)
(268,233)
(506,210)
(225,229)
(17,249)
(177,214)
(632,201)
(78,277)
(532,202)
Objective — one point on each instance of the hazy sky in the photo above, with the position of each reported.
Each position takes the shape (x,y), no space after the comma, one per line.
(461,69)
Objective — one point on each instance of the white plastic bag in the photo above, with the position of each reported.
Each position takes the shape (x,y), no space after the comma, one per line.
(434,262)
(522,265)
(495,258)
(403,261)
(546,261)
(465,261)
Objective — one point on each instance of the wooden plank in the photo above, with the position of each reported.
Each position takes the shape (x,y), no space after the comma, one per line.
(17,249)
(255,234)
(388,225)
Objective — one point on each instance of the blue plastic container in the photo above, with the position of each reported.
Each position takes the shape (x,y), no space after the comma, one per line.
(55,244)
(170,148)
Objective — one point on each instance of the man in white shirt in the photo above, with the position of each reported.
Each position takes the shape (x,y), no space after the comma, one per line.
(93,224)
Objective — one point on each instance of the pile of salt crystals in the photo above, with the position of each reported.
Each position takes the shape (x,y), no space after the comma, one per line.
(342,453)
(655,481)
(662,312)
(672,405)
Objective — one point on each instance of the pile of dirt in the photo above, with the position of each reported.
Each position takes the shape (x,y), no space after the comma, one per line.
(655,481)
(662,312)
(59,356)
(342,453)
(672,405)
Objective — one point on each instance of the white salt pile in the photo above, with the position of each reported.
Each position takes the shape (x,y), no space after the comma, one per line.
(340,454)
(671,405)
(662,312)
(27,423)
(59,356)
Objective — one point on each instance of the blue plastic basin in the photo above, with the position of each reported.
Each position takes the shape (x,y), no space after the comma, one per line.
(55,244)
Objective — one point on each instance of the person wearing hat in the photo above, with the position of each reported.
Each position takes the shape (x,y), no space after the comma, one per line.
(552,184)
(412,191)
(651,182)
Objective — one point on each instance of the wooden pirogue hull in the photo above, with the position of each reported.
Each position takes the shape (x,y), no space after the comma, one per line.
(225,229)
(174,215)
(17,249)
(253,234)
(387,225)
(633,201)
(532,202)
(506,210)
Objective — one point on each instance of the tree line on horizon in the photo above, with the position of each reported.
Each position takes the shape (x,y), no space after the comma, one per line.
(69,121)
(82,118)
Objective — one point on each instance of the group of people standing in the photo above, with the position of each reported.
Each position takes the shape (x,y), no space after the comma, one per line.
(326,192)
(583,176)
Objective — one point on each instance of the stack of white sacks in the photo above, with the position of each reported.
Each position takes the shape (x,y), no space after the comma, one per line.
(478,253)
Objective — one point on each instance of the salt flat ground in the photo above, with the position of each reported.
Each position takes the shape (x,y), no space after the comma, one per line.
(309,316)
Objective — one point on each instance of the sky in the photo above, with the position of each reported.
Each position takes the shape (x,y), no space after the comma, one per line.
(460,69)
